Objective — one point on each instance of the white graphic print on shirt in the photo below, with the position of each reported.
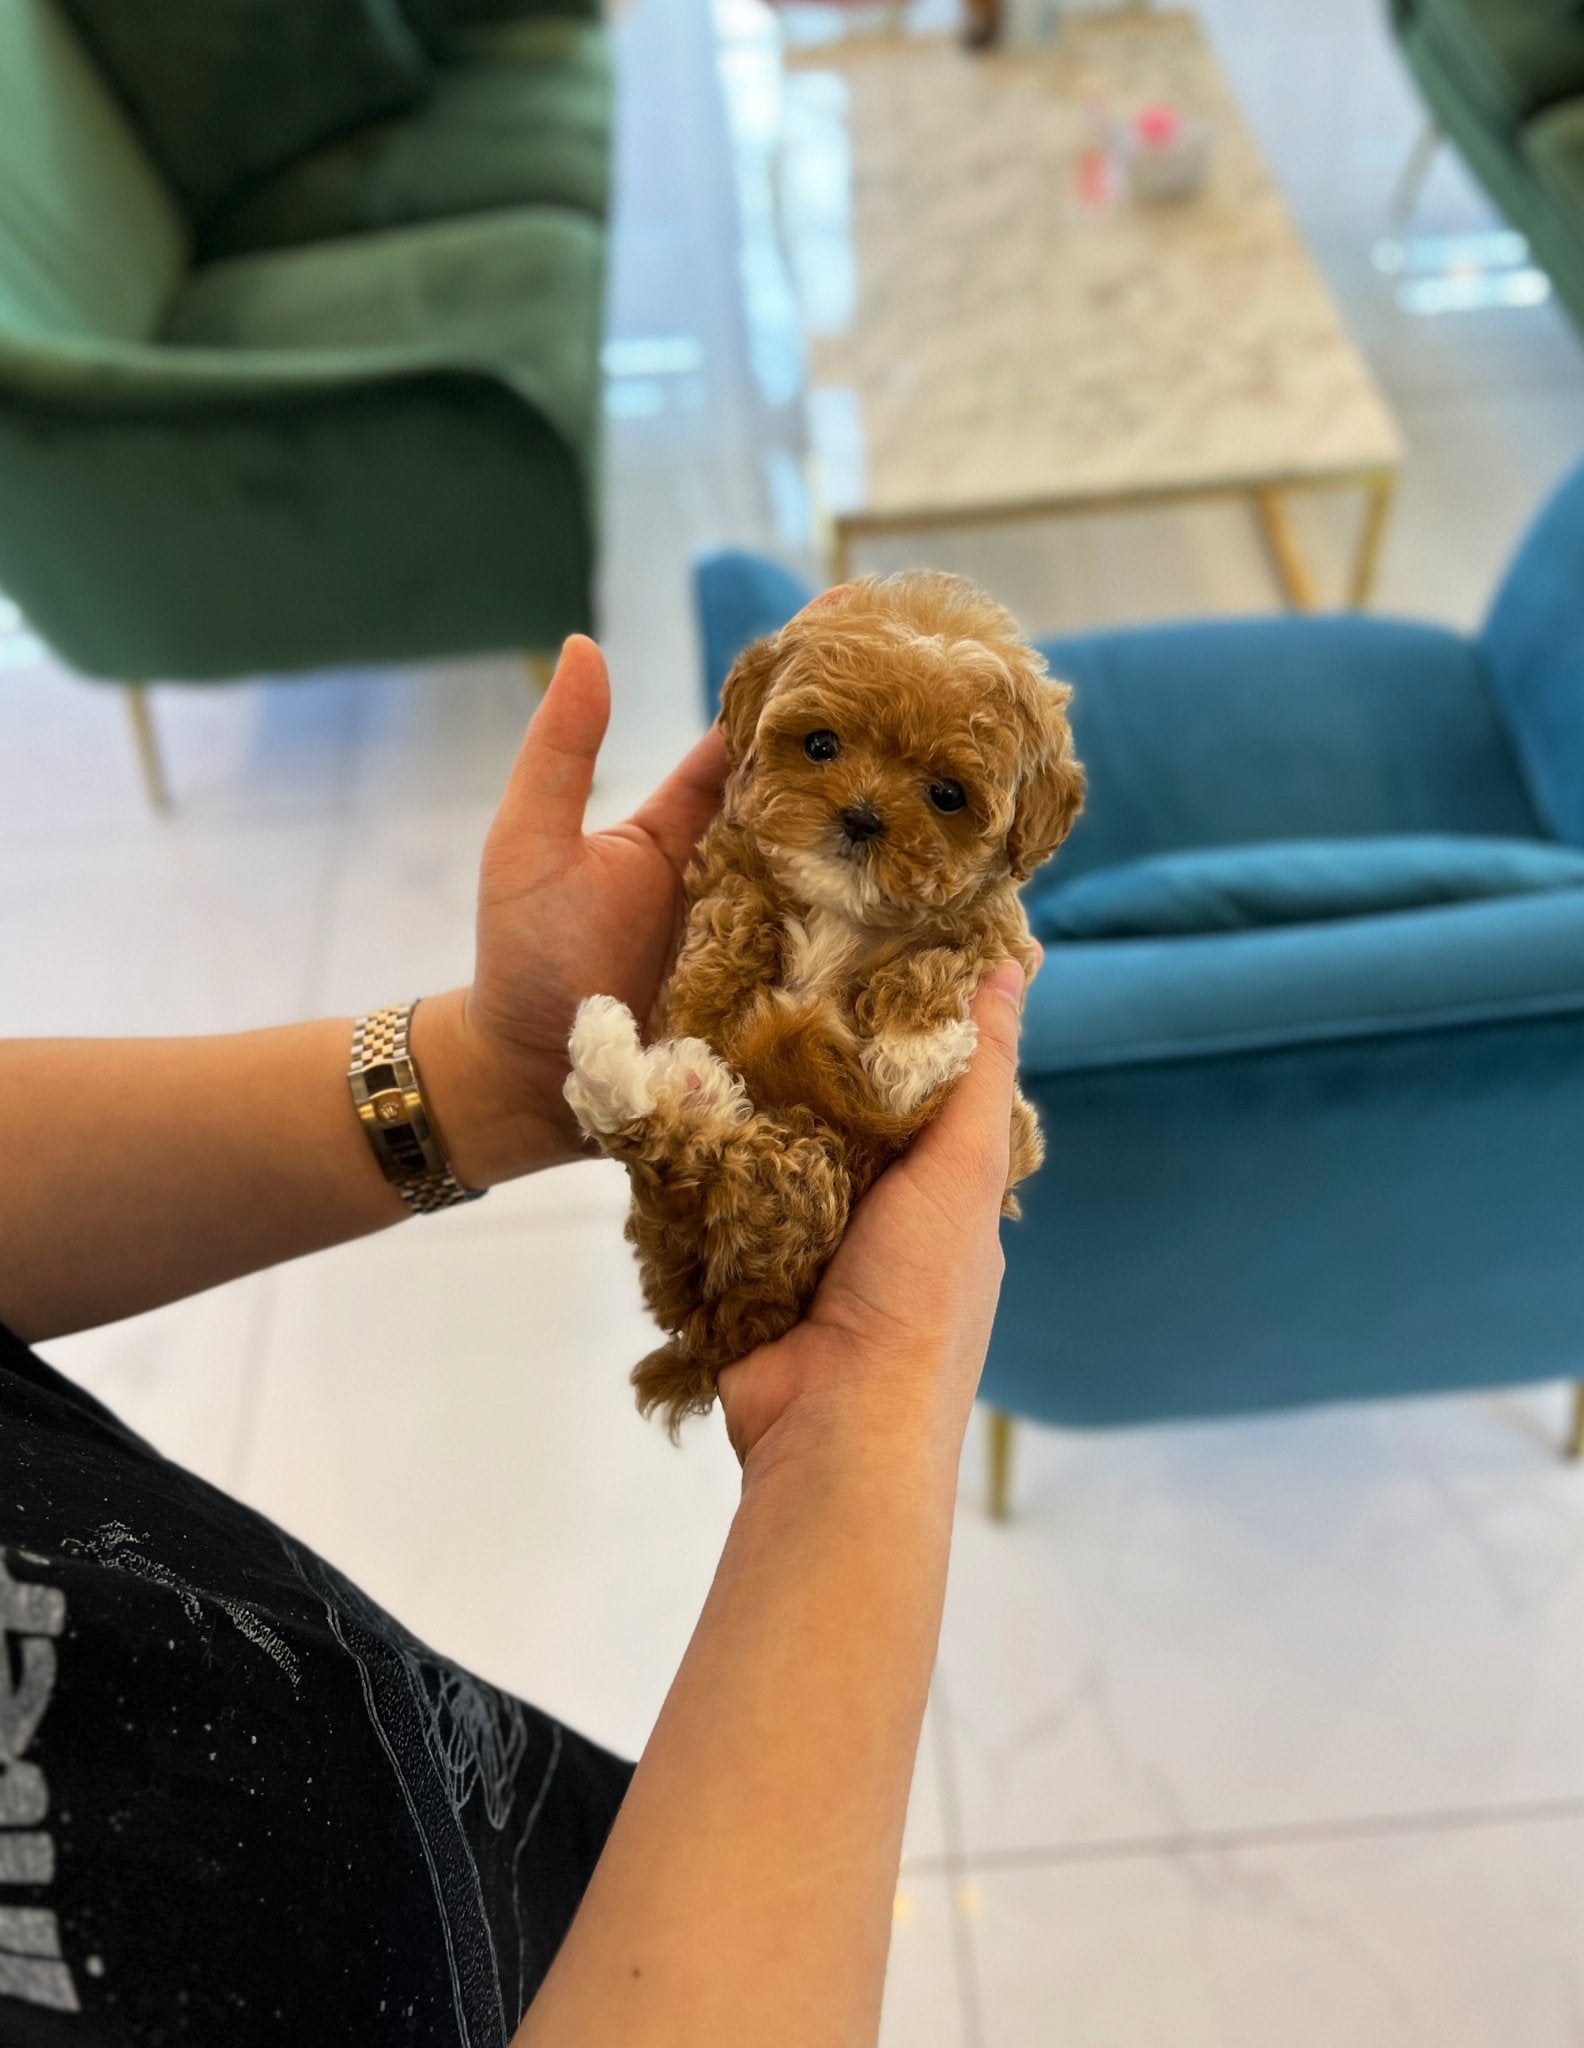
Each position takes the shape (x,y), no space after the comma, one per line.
(31,1616)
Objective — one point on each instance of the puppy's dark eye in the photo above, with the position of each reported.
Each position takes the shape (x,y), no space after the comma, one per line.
(947,796)
(822,746)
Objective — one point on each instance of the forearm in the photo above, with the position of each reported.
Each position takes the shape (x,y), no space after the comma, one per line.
(147,1169)
(746,1891)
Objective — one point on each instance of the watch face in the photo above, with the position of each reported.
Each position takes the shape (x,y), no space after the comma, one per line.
(406,1154)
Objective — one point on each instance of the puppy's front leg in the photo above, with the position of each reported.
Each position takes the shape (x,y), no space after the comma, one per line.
(731,951)
(922,1038)
(917,1033)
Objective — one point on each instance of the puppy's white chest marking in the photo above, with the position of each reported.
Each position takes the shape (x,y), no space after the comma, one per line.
(905,1068)
(821,948)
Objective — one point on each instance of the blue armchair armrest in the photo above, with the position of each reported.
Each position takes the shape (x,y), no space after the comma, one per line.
(1230,731)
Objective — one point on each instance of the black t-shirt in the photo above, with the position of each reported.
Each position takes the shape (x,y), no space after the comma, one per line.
(238,1802)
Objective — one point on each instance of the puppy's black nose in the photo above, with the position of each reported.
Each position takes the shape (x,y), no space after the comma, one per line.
(861,822)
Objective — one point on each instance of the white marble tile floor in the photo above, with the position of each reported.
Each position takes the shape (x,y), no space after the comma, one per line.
(1257,1732)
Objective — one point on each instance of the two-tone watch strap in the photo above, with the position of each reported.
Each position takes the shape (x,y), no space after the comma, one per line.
(390,1107)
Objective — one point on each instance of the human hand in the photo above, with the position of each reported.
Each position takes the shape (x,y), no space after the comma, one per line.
(561,915)
(895,1336)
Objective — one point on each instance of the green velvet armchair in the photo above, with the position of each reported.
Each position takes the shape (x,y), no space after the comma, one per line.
(1505,80)
(300,315)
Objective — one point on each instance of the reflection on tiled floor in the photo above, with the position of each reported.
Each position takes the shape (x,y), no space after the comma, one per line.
(1258,1732)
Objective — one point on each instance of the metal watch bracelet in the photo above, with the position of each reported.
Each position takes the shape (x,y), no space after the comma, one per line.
(390,1106)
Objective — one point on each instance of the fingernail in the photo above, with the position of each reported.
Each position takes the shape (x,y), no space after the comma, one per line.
(1008,978)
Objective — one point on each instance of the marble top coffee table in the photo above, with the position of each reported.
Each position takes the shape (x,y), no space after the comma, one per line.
(982,347)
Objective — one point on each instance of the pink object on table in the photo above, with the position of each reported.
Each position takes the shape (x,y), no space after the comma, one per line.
(1157,127)
(1168,153)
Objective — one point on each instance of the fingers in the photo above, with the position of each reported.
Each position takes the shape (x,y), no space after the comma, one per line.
(968,1141)
(683,805)
(548,788)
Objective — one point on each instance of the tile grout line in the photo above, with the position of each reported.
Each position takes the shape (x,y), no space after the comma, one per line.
(1278,1835)
(340,824)
(316,966)
(261,1321)
(965,1957)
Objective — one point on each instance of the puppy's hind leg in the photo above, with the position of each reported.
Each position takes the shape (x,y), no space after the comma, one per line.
(734,1212)
(1027,1151)
(626,1095)
(731,1250)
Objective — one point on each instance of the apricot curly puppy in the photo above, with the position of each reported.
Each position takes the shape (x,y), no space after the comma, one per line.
(899,762)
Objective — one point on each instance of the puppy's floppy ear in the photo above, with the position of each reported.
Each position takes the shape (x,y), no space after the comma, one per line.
(743,695)
(1051,783)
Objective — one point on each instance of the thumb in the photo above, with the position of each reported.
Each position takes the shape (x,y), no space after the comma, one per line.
(971,1135)
(548,788)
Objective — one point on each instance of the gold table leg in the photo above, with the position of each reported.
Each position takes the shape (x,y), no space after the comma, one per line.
(1292,571)
(1377,510)
(1575,1443)
(141,714)
(1000,1464)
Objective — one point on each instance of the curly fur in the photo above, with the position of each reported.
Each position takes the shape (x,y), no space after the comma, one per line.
(818,1009)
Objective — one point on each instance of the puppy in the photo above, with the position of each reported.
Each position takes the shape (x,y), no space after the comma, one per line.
(899,761)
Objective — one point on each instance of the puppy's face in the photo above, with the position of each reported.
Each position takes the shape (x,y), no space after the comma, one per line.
(898,747)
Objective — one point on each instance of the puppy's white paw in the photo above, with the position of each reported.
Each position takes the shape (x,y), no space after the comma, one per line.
(690,1079)
(609,1083)
(907,1067)
(616,1081)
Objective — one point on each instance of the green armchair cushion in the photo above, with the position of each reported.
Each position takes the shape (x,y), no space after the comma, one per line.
(1554,146)
(90,240)
(514,293)
(226,92)
(1295,882)
(520,117)
(348,453)
(337,523)
(1512,57)
(442,22)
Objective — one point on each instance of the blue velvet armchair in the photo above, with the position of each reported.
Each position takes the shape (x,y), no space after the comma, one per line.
(1309,1042)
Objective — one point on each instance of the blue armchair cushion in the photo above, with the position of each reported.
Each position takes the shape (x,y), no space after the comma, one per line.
(1127,1002)
(1306,881)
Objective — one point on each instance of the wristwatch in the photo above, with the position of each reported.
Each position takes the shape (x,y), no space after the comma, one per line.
(390,1107)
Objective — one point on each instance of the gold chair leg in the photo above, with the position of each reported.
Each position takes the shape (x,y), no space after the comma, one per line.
(1000,1465)
(1292,571)
(1404,201)
(1575,1442)
(1366,562)
(141,713)
(539,668)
